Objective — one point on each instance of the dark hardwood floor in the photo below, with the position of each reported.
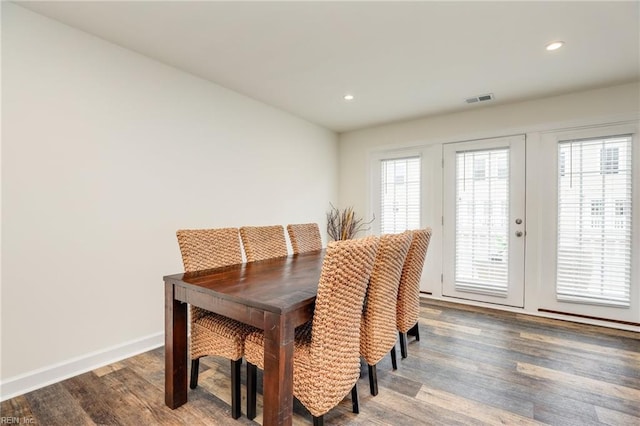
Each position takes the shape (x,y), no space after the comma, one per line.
(471,366)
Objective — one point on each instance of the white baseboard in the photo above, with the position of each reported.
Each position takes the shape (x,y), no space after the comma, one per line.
(42,377)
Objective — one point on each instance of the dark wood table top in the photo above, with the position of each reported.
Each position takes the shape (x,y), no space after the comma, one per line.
(276,285)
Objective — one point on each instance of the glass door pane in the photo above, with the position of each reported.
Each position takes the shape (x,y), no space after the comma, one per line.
(482,221)
(594,221)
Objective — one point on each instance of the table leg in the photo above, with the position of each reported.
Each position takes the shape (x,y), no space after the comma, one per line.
(175,349)
(278,370)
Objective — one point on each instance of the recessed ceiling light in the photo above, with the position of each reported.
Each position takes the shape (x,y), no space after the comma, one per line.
(555,45)
(348,97)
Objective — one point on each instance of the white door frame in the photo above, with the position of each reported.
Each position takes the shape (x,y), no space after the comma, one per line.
(547,228)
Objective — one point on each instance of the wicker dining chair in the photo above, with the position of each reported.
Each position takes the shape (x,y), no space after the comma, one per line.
(304,237)
(213,334)
(408,307)
(378,327)
(326,356)
(263,242)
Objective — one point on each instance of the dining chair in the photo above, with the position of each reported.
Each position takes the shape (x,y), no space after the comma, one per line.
(263,242)
(408,306)
(326,356)
(378,326)
(304,237)
(213,334)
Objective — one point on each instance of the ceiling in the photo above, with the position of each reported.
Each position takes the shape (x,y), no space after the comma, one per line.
(400,60)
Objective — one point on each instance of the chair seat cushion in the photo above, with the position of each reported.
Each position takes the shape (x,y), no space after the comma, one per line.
(217,335)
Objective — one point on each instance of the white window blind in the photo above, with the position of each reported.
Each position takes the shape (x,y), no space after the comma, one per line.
(482,221)
(594,221)
(400,197)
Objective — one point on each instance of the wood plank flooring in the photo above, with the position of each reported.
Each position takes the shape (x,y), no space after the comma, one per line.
(472,366)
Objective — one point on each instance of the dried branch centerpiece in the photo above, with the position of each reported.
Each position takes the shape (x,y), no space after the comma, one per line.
(344,225)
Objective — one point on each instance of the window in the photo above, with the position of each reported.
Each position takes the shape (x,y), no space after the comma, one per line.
(479,167)
(609,160)
(597,213)
(594,222)
(400,195)
(622,218)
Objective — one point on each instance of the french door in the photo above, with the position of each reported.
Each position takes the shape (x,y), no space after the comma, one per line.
(483,220)
(589,233)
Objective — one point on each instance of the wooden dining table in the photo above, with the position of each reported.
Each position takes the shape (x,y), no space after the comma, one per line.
(274,295)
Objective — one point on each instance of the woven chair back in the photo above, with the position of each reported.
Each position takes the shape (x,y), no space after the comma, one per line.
(263,242)
(335,335)
(304,237)
(209,248)
(206,249)
(378,332)
(408,308)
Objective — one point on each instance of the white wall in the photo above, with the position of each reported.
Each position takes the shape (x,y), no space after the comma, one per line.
(425,136)
(105,154)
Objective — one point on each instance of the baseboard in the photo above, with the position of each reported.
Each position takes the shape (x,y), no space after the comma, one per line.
(42,377)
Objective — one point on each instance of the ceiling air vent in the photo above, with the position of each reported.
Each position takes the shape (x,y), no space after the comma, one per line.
(481,98)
